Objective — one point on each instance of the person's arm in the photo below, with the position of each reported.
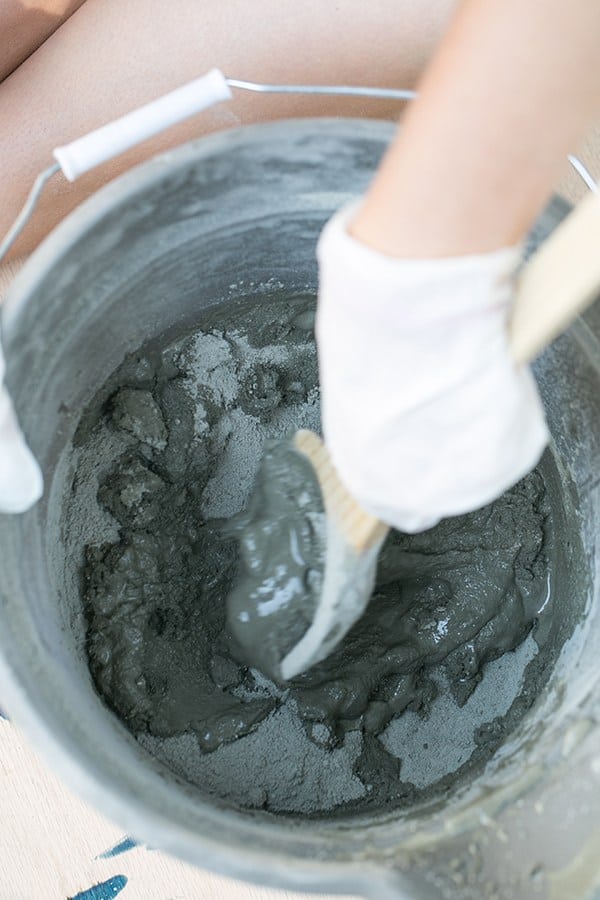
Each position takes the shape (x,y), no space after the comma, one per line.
(425,414)
(511,90)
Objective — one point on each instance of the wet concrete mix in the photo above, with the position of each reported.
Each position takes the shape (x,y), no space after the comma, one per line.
(457,642)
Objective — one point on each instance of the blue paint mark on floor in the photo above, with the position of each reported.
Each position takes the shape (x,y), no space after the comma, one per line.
(105,891)
(125,844)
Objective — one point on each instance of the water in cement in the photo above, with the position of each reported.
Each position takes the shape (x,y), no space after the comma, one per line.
(458,640)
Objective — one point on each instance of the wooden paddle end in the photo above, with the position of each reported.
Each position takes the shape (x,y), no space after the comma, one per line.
(358,527)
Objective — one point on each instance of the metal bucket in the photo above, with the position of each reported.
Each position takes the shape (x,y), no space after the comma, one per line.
(151,252)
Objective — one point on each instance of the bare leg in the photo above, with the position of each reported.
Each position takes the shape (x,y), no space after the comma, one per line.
(25,25)
(110,57)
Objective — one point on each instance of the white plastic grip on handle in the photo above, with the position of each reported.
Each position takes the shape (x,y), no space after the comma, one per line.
(116,137)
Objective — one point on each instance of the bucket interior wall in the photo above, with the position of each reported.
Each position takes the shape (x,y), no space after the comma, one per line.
(213,224)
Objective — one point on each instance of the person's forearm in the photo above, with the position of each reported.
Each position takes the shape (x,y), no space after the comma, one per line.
(509,93)
(25,25)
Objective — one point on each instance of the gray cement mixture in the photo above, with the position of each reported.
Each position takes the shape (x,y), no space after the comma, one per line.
(282,548)
(459,638)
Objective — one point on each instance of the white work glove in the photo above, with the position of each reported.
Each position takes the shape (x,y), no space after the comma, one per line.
(424,413)
(21,483)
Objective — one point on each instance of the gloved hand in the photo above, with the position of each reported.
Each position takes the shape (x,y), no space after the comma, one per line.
(424,413)
(21,483)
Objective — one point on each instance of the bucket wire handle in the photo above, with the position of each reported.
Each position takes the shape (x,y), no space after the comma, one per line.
(114,138)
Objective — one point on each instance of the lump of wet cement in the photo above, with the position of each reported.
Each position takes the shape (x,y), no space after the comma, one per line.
(281,558)
(137,412)
(185,426)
